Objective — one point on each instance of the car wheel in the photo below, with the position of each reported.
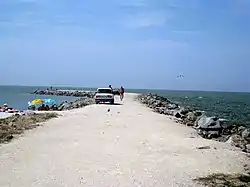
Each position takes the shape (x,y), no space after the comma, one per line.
(97,102)
(112,102)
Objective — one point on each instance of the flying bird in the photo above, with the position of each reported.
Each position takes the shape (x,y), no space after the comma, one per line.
(180,76)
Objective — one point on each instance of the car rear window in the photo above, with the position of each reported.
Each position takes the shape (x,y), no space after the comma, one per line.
(104,91)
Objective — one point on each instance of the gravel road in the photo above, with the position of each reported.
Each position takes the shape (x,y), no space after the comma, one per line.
(128,146)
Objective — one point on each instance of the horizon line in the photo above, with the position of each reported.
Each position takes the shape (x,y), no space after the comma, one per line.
(156,89)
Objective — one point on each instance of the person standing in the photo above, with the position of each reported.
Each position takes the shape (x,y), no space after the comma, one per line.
(121,93)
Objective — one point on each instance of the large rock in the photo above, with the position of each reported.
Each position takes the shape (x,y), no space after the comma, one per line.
(241,129)
(198,113)
(208,123)
(237,141)
(247,148)
(208,134)
(172,106)
(159,110)
(191,116)
(246,134)
(184,111)
(177,115)
(202,133)
(213,134)
(169,112)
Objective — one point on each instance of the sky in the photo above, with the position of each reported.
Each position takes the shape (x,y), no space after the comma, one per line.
(134,43)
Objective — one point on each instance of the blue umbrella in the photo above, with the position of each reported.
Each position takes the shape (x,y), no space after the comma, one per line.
(49,102)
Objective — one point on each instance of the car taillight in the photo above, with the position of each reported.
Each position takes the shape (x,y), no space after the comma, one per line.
(109,96)
(97,96)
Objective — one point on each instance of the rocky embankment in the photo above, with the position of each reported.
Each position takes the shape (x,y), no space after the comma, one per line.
(79,103)
(73,93)
(85,98)
(207,127)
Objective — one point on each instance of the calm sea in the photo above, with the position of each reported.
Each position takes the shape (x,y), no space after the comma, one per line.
(18,97)
(232,106)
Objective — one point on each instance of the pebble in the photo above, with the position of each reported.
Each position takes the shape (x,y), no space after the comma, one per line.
(203,147)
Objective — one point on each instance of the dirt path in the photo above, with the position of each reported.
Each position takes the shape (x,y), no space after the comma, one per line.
(128,146)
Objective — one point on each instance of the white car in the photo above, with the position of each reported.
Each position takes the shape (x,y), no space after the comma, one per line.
(104,95)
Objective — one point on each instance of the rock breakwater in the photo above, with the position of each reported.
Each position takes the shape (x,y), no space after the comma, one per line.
(85,98)
(73,93)
(207,127)
(79,103)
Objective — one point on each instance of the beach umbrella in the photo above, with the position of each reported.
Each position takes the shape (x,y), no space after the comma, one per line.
(49,102)
(37,101)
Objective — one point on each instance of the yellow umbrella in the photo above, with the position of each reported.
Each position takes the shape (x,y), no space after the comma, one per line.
(37,101)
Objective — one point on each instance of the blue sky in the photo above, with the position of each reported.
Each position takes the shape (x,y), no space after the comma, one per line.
(134,43)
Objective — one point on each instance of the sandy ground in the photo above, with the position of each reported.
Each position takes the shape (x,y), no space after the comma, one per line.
(128,146)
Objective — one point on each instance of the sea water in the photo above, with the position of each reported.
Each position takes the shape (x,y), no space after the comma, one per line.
(18,97)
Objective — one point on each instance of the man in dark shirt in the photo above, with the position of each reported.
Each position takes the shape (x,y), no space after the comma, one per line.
(121,93)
